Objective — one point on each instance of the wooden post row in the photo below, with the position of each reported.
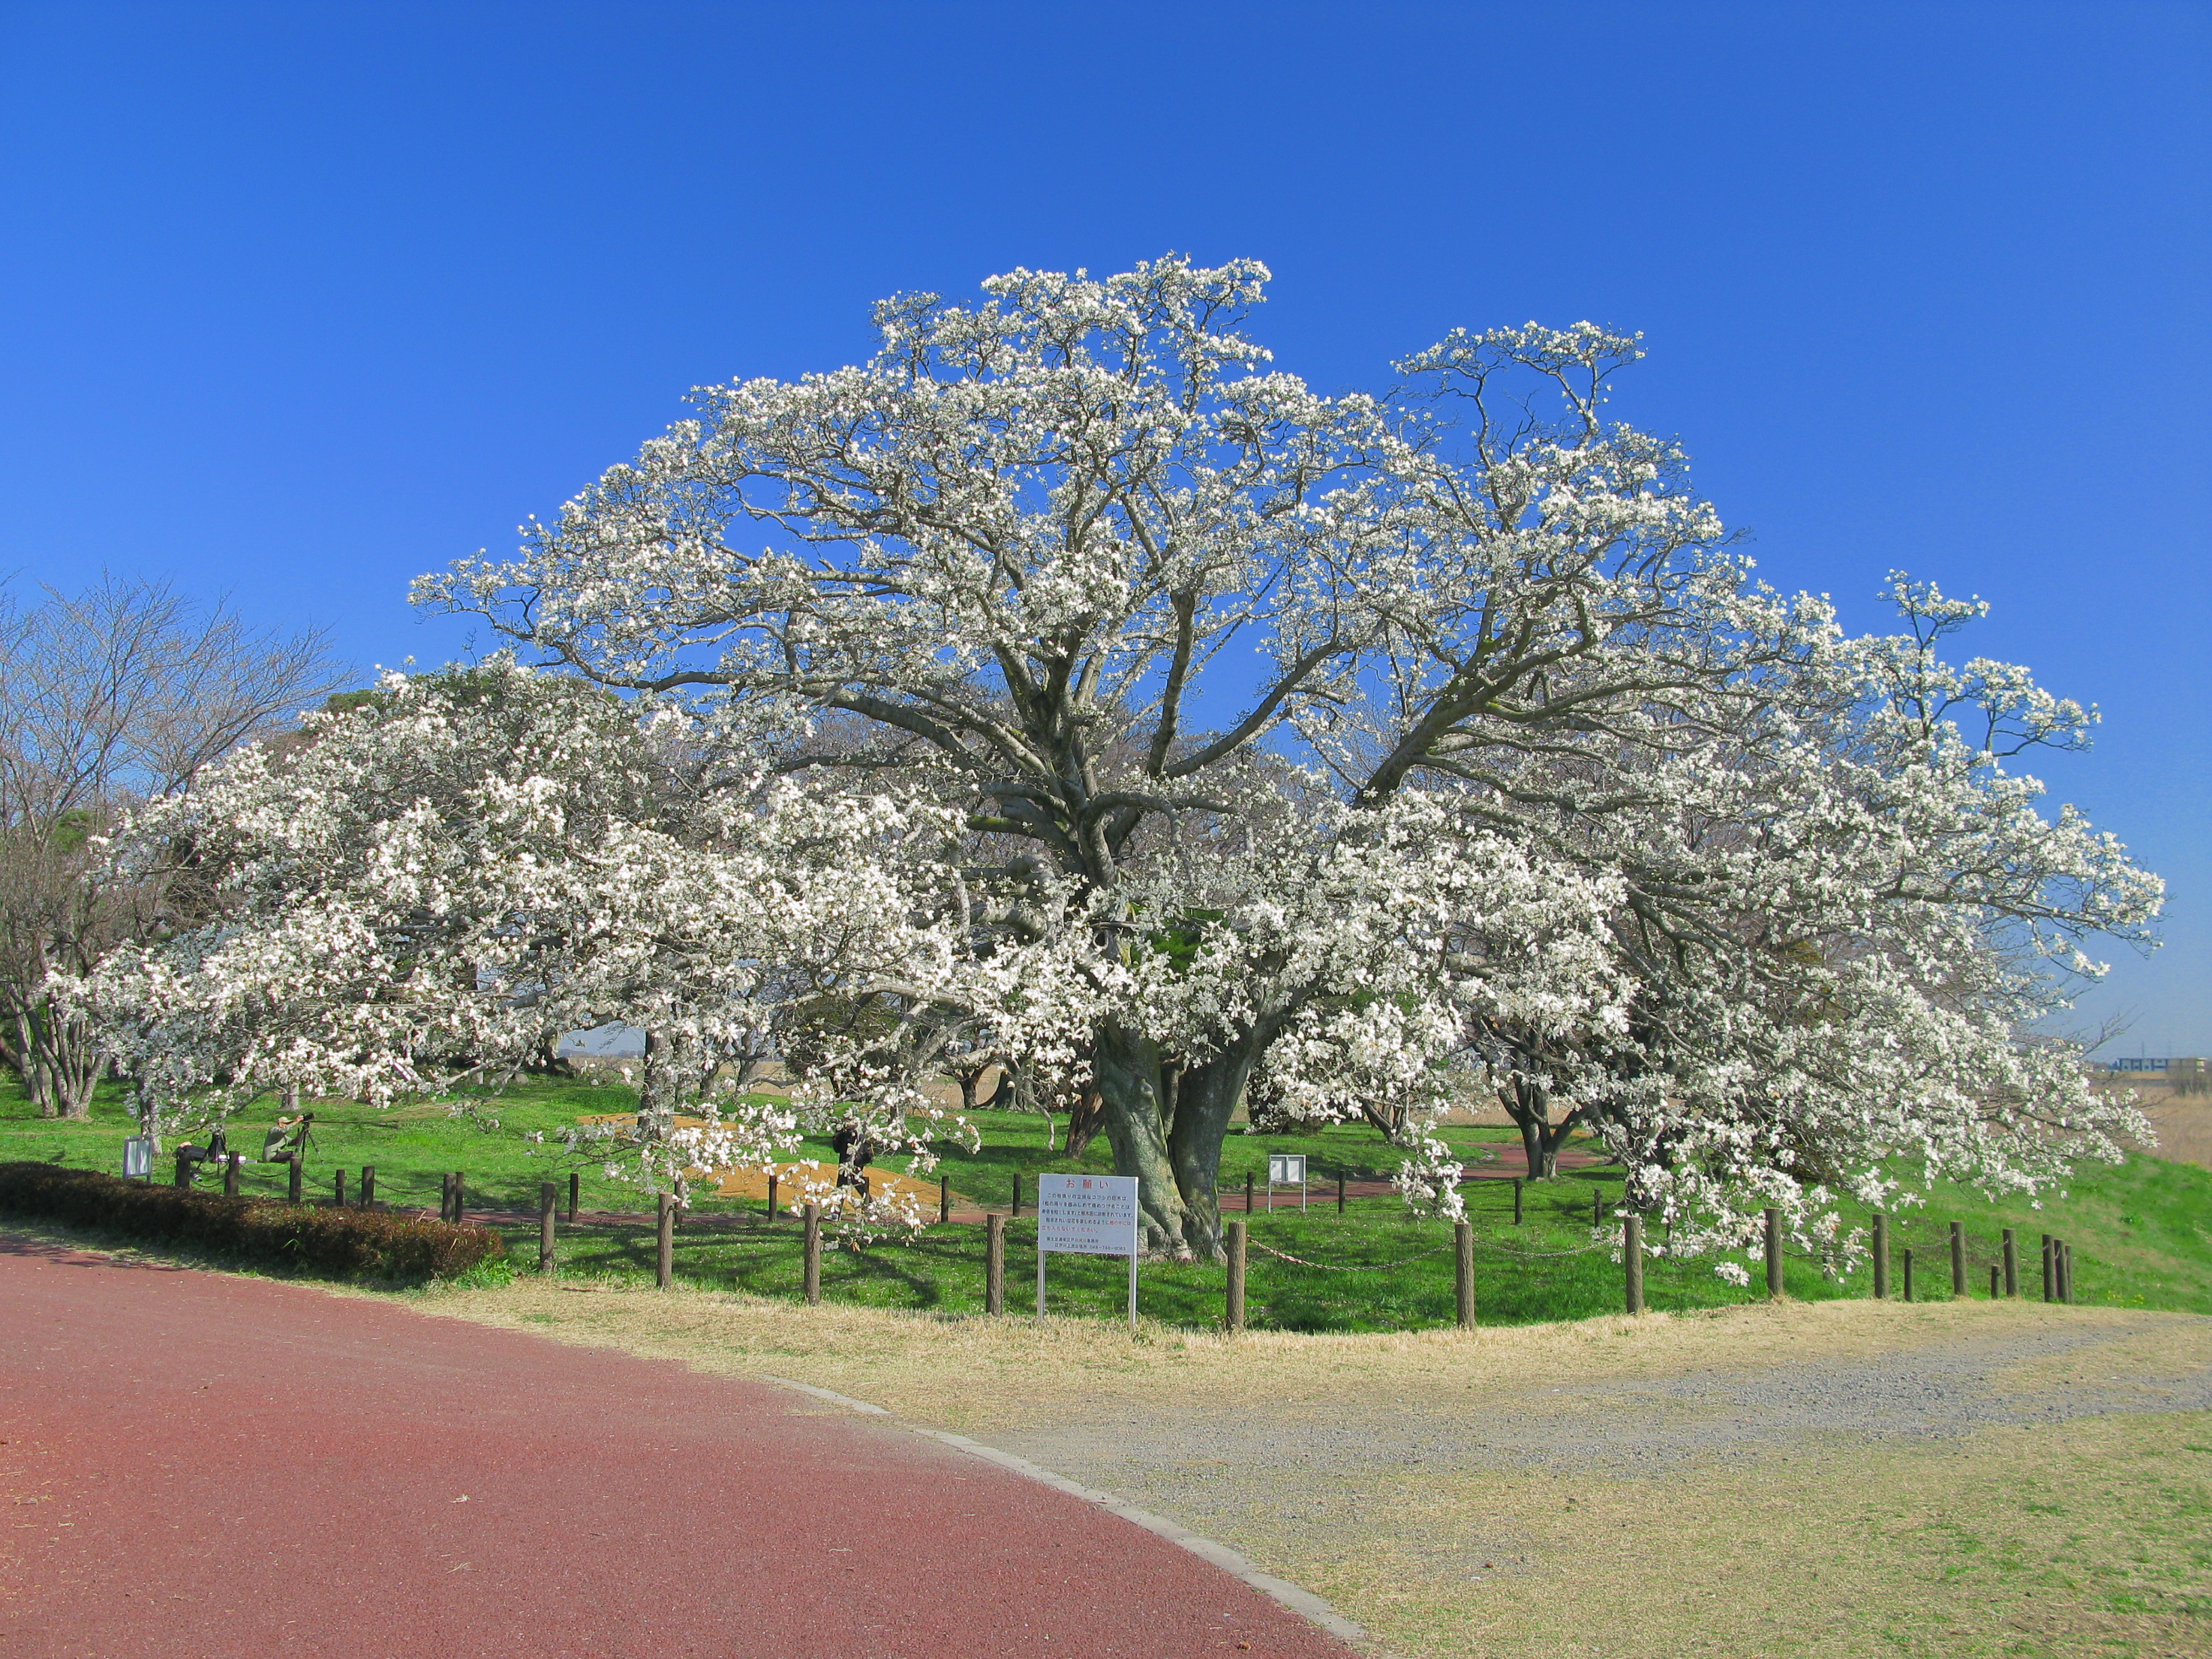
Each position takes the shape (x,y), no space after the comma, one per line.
(1235,1320)
(813,1256)
(994,1263)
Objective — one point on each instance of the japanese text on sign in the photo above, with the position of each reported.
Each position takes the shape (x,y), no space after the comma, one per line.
(1087,1215)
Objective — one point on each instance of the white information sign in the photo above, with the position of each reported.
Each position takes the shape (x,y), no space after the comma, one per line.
(138,1157)
(1088,1215)
(1288,1168)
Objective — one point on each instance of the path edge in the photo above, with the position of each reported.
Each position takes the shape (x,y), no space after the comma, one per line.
(1303,1602)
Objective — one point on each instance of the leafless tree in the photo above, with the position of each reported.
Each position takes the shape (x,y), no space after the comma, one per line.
(125,691)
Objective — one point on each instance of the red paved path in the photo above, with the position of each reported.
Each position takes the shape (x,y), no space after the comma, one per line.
(196,1465)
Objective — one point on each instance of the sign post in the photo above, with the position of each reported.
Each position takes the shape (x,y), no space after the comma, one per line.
(1287,1168)
(138,1158)
(1088,1215)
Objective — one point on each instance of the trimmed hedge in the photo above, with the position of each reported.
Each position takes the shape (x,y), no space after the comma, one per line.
(311,1235)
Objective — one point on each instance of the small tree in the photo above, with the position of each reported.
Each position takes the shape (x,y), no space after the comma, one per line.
(123,692)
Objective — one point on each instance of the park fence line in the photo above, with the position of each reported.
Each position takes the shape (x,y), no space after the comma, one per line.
(2056,1266)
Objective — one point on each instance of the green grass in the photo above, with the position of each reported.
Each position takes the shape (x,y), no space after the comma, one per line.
(2142,1232)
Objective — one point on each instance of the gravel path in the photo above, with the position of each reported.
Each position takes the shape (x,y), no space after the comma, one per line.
(1202,1464)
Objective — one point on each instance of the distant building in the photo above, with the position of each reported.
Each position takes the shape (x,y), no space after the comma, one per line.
(2173,1068)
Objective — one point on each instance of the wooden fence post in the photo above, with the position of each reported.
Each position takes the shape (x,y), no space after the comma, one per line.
(1516,1200)
(460,1194)
(2011,1263)
(1340,1192)
(771,1195)
(1880,1257)
(575,1191)
(233,1166)
(1236,1316)
(814,1255)
(1959,1260)
(944,1199)
(2050,1284)
(1464,1273)
(184,1168)
(1996,1278)
(1597,1208)
(368,1199)
(293,1178)
(1774,1255)
(2065,1265)
(1632,1250)
(338,1190)
(548,1195)
(994,1263)
(1908,1275)
(1247,1192)
(663,1261)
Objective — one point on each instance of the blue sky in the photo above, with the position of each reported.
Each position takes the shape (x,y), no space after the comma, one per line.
(304,299)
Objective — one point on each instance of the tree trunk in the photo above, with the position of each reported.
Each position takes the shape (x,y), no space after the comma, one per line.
(31,1064)
(1137,1116)
(1167,1124)
(1531,1109)
(1084,1119)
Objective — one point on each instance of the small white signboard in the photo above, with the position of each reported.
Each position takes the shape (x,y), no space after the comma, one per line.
(1289,1168)
(138,1157)
(1088,1215)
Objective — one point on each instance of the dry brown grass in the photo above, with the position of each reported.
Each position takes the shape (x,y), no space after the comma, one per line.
(2095,1539)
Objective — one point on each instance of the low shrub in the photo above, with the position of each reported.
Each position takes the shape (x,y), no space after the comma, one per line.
(318,1237)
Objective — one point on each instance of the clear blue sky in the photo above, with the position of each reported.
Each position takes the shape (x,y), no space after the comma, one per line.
(302,300)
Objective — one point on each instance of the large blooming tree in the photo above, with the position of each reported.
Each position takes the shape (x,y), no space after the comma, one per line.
(1195,655)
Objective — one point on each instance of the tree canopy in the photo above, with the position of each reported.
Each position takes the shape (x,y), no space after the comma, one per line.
(1067,683)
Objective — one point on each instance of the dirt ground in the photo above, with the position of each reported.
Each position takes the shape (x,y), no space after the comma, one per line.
(2183,1123)
(1840,1478)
